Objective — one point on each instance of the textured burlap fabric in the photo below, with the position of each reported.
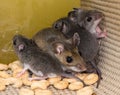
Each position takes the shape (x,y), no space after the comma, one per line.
(110,46)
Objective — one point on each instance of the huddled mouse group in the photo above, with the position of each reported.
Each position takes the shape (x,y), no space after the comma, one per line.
(68,47)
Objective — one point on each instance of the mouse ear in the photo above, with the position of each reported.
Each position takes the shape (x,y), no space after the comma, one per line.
(64,28)
(59,48)
(72,16)
(75,40)
(21,47)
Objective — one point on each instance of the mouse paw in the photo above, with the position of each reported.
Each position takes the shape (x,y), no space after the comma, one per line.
(102,35)
(37,78)
(21,73)
(30,79)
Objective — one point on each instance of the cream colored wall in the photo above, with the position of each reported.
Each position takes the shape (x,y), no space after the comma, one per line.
(27,17)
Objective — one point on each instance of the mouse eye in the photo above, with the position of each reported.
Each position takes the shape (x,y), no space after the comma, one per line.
(14,42)
(58,25)
(89,19)
(69,59)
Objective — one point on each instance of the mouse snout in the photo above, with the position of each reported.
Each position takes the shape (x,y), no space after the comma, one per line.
(82,67)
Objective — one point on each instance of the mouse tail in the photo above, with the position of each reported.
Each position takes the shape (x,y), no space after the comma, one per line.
(98,72)
(73,76)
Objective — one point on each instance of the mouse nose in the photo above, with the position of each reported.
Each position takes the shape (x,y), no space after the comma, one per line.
(82,67)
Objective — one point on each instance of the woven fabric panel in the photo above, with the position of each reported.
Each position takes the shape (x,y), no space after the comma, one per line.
(110,46)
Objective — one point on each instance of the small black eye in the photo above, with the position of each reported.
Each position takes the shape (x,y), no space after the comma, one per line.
(14,42)
(56,26)
(89,19)
(69,59)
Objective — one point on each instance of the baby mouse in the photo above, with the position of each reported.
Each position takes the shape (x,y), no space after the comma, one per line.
(91,20)
(39,62)
(55,43)
(88,46)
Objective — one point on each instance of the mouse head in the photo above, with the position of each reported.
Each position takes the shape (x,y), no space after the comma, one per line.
(68,54)
(60,25)
(20,43)
(89,19)
(66,26)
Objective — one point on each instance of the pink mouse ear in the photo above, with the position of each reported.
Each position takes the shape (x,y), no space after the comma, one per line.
(59,48)
(20,47)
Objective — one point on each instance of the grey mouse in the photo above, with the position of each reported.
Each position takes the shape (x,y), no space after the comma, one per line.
(91,20)
(88,46)
(55,43)
(39,62)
